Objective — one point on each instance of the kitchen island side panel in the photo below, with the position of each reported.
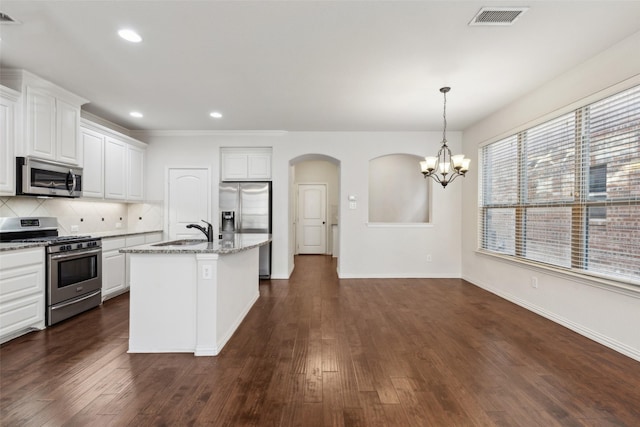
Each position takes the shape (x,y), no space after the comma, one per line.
(162,302)
(238,289)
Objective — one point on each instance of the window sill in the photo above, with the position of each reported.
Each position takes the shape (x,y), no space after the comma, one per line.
(625,288)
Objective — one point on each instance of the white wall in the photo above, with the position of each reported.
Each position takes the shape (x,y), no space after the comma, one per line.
(364,251)
(607,315)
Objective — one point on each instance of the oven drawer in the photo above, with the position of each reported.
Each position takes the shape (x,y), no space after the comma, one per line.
(59,312)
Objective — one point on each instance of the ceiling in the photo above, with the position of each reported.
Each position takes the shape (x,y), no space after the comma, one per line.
(304,65)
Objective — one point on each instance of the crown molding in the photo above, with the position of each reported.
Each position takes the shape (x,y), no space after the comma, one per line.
(149,133)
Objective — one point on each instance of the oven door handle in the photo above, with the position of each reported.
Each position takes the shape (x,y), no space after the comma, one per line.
(75,254)
(75,301)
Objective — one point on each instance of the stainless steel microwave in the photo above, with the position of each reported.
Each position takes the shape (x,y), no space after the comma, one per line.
(36,177)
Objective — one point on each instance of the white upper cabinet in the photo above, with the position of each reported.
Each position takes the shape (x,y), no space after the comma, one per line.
(135,173)
(50,118)
(40,124)
(113,164)
(92,144)
(67,131)
(115,169)
(245,164)
(8,106)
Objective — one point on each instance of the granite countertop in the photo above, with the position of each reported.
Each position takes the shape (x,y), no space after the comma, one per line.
(239,243)
(11,246)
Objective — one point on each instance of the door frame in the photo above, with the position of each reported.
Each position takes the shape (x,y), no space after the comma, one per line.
(327,228)
(167,170)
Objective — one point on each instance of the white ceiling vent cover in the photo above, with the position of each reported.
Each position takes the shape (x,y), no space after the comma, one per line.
(497,15)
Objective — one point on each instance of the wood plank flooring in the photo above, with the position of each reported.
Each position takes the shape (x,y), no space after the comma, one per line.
(318,351)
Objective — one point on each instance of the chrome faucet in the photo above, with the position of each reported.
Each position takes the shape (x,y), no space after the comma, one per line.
(207,231)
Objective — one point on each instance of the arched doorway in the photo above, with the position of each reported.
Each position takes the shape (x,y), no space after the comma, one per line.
(318,176)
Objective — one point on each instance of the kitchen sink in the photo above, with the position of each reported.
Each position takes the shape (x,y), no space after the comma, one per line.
(183,242)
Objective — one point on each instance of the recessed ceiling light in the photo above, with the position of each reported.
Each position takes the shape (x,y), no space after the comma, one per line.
(130,36)
(215,115)
(136,114)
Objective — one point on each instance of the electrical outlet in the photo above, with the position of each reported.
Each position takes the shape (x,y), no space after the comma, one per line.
(429,258)
(118,225)
(206,272)
(534,282)
(74,228)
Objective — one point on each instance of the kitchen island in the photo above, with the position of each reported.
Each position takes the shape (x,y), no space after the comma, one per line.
(190,296)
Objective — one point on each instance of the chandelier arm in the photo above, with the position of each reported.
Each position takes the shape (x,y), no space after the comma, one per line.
(436,178)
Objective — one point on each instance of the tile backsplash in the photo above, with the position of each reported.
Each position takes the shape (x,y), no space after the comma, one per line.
(89,216)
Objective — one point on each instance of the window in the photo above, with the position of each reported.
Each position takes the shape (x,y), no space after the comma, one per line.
(567,192)
(397,194)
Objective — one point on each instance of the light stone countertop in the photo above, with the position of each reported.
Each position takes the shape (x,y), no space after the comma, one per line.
(11,246)
(239,243)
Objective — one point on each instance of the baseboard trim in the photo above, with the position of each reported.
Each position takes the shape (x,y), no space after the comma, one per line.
(576,327)
(227,336)
(398,275)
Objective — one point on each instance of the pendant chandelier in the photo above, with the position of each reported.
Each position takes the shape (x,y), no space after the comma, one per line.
(444,167)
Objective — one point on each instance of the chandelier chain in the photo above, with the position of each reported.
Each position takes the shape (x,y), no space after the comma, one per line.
(444,118)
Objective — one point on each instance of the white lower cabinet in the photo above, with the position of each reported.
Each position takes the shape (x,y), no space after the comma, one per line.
(22,283)
(115,266)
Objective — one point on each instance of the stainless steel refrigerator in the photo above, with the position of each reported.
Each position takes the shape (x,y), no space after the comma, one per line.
(245,207)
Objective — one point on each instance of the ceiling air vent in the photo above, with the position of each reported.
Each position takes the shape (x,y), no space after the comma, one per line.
(497,15)
(6,19)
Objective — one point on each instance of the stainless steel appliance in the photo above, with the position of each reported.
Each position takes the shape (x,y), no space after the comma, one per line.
(245,207)
(36,177)
(73,265)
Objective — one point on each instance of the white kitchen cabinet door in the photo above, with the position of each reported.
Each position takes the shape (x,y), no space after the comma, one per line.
(113,274)
(22,303)
(40,123)
(115,161)
(92,163)
(113,267)
(8,100)
(67,131)
(234,166)
(259,166)
(135,175)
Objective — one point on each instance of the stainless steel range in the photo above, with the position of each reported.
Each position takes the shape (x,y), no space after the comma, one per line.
(74,265)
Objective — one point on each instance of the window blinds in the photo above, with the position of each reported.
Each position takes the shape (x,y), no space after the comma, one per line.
(567,192)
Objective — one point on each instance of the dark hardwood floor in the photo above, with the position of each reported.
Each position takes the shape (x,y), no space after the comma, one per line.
(318,351)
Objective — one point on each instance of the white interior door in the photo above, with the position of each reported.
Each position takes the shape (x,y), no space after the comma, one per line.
(312,219)
(189,202)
